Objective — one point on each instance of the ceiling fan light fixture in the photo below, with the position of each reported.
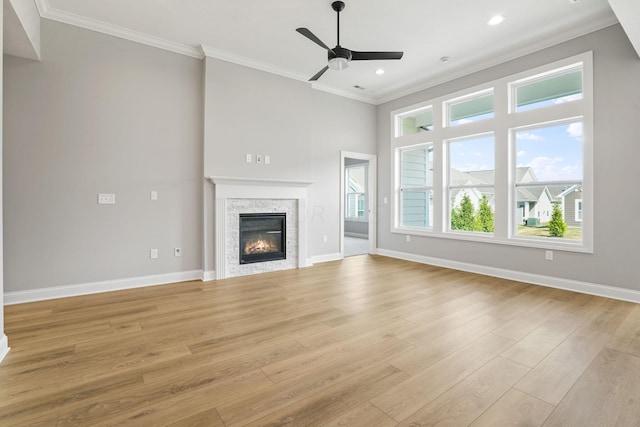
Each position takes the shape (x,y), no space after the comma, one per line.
(338,63)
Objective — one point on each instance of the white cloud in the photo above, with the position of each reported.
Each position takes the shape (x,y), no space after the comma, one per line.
(575,130)
(528,136)
(553,169)
(520,153)
(568,98)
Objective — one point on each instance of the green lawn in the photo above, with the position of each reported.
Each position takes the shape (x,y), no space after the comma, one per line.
(573,233)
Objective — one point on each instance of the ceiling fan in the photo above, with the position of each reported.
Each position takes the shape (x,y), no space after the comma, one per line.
(339,57)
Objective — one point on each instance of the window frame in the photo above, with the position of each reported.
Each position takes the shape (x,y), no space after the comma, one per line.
(504,121)
(425,188)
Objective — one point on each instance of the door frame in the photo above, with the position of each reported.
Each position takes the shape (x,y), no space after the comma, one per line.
(372,193)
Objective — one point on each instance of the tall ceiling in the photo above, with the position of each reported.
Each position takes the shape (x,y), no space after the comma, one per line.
(261,34)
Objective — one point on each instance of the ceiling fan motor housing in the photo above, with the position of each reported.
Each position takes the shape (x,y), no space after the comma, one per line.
(339,52)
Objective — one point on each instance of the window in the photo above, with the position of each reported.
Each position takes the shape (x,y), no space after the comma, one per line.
(416,187)
(356,182)
(471,178)
(548,167)
(578,210)
(471,108)
(508,162)
(547,89)
(412,122)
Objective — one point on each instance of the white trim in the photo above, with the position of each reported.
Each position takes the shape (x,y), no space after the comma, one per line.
(317,259)
(372,197)
(356,235)
(613,292)
(116,31)
(401,91)
(251,188)
(42,294)
(4,347)
(208,275)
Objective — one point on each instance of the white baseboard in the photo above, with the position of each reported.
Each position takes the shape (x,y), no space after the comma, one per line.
(208,275)
(536,279)
(4,347)
(41,294)
(325,258)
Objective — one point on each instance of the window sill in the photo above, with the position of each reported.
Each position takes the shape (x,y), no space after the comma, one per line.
(490,238)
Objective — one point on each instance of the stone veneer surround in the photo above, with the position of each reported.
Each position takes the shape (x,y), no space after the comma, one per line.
(234,196)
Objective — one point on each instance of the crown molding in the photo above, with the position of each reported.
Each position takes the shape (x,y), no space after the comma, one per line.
(46,11)
(393,93)
(208,51)
(555,39)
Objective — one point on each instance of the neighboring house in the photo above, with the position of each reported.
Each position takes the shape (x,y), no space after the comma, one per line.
(571,203)
(532,202)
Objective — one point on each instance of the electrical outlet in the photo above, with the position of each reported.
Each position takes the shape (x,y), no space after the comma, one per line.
(154,195)
(177,252)
(325,239)
(248,158)
(153,254)
(106,199)
(408,238)
(267,159)
(548,255)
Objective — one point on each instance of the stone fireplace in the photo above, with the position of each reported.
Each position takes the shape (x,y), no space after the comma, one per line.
(272,213)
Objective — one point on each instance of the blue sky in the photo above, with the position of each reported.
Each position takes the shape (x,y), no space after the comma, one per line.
(554,152)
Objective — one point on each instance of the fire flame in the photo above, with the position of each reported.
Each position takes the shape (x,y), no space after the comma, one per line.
(259,246)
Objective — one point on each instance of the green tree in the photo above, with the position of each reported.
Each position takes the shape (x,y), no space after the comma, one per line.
(462,218)
(557,226)
(484,220)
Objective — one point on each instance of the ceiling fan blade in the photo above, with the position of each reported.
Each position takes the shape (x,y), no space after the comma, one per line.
(308,34)
(319,74)
(365,56)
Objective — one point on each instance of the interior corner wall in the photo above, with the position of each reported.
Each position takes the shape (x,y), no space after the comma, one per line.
(4,345)
(303,130)
(100,114)
(616,154)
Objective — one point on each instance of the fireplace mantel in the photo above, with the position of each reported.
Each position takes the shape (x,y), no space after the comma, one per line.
(228,190)
(226,180)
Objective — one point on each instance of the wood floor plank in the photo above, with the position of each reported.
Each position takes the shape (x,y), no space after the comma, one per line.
(261,404)
(608,394)
(339,398)
(415,360)
(364,415)
(515,409)
(365,341)
(533,348)
(408,397)
(557,373)
(465,401)
(208,418)
(627,337)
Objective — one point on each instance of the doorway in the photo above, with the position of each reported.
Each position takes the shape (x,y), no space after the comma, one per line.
(358,201)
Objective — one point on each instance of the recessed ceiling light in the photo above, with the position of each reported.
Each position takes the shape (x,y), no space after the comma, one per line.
(444,59)
(379,71)
(496,20)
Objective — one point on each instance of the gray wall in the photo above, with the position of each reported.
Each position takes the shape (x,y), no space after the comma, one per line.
(100,115)
(303,131)
(616,154)
(2,335)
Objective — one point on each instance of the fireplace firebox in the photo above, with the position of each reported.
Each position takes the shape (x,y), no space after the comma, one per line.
(262,237)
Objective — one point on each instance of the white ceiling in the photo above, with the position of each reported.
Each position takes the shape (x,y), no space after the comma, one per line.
(261,34)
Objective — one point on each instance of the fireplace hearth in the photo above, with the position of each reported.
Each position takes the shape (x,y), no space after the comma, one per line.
(262,237)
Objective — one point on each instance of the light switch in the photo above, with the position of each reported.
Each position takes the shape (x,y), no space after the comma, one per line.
(267,159)
(154,195)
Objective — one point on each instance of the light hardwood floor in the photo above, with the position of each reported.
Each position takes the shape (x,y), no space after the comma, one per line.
(368,341)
